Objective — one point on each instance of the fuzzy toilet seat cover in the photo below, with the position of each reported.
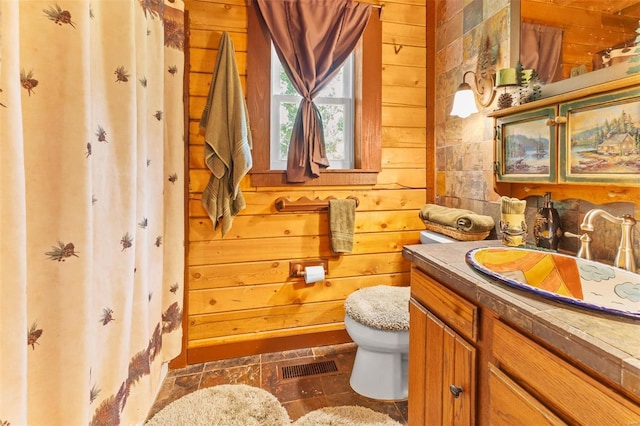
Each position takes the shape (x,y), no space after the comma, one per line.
(382,307)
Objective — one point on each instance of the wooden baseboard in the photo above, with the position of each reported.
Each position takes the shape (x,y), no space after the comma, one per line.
(261,346)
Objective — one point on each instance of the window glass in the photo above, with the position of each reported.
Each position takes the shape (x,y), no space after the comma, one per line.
(335,103)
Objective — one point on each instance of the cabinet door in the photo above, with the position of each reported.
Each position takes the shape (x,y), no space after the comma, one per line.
(442,372)
(599,142)
(417,363)
(458,359)
(526,147)
(573,394)
(510,405)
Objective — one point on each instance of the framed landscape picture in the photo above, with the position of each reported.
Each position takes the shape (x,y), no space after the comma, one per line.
(600,141)
(526,147)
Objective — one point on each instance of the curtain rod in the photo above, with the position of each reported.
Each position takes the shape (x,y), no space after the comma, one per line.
(381,9)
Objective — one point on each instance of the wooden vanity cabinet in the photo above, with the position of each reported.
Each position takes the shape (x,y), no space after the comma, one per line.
(511,405)
(559,388)
(504,376)
(442,363)
(442,387)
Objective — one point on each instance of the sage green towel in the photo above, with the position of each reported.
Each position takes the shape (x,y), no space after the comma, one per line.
(464,220)
(227,137)
(342,218)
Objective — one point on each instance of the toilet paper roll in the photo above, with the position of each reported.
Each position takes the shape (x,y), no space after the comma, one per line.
(313,274)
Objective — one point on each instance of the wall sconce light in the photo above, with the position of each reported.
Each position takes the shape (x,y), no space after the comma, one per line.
(464,101)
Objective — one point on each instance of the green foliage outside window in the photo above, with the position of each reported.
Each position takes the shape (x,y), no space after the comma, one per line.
(333,117)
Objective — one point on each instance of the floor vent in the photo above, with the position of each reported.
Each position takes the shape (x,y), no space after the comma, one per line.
(311,369)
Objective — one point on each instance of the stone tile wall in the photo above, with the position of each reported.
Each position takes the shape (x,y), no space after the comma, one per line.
(464,147)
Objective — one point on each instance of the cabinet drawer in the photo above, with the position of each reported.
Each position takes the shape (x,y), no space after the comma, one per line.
(457,312)
(511,405)
(572,394)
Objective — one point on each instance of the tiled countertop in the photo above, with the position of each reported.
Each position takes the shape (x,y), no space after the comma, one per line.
(605,343)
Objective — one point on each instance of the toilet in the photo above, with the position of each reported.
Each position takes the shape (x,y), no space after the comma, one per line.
(430,237)
(377,320)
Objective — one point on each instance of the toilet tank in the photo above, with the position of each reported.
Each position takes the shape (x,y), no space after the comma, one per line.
(429,237)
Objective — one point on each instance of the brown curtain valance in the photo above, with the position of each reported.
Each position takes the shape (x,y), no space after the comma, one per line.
(312,38)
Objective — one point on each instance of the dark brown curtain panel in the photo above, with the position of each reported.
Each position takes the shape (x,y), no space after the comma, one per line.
(312,38)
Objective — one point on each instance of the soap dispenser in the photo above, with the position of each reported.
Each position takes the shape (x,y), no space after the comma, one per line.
(546,228)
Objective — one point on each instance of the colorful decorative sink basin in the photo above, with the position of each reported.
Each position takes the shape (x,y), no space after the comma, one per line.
(561,277)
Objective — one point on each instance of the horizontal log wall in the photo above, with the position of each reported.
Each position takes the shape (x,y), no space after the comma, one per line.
(241,299)
(588,28)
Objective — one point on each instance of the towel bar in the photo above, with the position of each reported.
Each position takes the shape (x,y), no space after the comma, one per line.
(284,204)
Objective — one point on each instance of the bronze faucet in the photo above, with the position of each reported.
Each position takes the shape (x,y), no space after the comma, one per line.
(624,258)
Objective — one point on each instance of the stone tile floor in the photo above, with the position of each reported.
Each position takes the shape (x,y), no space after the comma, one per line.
(299,395)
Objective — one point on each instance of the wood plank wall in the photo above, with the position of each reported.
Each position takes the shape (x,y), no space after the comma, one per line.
(240,297)
(588,28)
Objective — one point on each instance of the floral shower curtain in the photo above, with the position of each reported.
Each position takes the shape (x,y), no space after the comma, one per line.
(91,207)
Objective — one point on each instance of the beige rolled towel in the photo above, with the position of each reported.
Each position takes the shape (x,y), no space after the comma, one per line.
(342,218)
(464,220)
(473,222)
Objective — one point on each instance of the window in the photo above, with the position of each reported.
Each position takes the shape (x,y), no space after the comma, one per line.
(336,106)
(365,118)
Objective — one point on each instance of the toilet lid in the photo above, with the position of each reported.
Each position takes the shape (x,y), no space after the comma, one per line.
(383,307)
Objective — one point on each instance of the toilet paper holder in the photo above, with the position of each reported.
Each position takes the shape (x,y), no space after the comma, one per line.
(296,268)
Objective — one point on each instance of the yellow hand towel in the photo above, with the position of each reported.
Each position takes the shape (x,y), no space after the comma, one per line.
(512,205)
(342,217)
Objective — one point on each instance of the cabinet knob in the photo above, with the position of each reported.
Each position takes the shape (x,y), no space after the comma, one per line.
(557,120)
(455,390)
